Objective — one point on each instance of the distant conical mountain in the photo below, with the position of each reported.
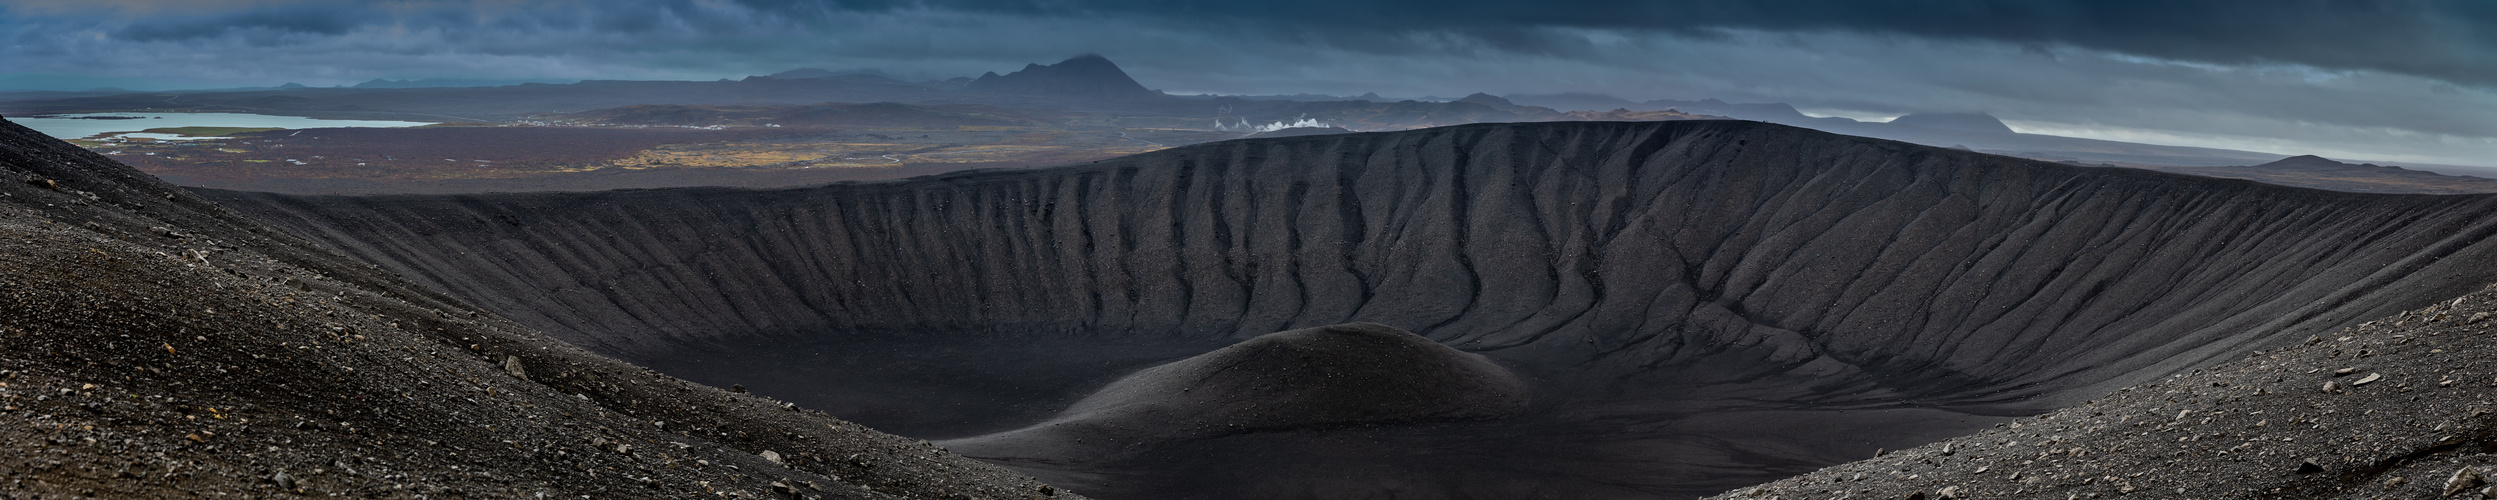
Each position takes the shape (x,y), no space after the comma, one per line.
(1964,122)
(1488,100)
(2305,162)
(1086,76)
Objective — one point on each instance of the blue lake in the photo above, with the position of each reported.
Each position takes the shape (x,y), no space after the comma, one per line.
(70,127)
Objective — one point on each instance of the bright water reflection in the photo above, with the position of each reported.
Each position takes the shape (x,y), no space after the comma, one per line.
(75,127)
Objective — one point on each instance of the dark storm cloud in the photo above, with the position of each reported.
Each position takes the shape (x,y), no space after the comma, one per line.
(2380,78)
(323,20)
(2451,39)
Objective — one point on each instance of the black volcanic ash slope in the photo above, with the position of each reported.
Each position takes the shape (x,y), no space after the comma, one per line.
(155,345)
(1695,305)
(2404,406)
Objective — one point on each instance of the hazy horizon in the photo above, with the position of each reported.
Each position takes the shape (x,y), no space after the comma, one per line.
(2408,82)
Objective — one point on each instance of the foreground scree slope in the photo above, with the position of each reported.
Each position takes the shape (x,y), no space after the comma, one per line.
(1694,306)
(155,345)
(2403,406)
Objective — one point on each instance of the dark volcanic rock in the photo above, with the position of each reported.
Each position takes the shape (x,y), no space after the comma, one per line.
(1697,305)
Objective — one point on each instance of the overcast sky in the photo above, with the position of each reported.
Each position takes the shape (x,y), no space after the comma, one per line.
(2408,81)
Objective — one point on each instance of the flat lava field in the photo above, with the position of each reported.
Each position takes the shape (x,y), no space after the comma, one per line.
(541,158)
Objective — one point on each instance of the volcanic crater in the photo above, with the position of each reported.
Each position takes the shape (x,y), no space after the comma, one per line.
(1608,309)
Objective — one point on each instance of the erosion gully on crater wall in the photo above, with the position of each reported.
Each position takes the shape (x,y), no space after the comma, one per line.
(1693,306)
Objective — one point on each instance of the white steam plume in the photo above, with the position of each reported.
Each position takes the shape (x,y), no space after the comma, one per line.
(1243,125)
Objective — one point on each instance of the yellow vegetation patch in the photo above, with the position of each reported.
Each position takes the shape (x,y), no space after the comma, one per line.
(820,155)
(733,155)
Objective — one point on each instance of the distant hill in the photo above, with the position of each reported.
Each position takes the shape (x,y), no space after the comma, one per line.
(1576,101)
(378,83)
(2323,173)
(1624,115)
(1964,122)
(1087,76)
(1488,100)
(807,73)
(880,114)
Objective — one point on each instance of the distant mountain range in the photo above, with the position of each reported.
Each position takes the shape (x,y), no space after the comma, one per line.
(1093,86)
(804,73)
(1963,122)
(1087,76)
(2324,173)
(378,83)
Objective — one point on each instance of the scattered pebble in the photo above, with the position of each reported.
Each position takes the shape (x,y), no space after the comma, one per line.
(2464,479)
(511,365)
